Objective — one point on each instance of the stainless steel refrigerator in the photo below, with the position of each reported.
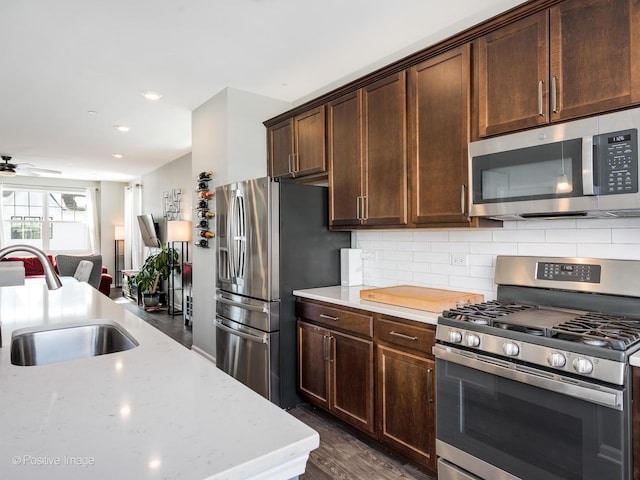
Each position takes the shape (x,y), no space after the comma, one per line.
(272,238)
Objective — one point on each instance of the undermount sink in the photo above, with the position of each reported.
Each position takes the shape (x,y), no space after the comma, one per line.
(41,346)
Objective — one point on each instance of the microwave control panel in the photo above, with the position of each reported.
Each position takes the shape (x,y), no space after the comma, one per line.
(617,162)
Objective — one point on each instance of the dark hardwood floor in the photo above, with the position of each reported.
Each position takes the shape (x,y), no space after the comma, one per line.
(341,455)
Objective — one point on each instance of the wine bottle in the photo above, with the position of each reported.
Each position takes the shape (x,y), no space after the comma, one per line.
(203,224)
(202,243)
(206,214)
(205,175)
(203,204)
(207,194)
(207,234)
(203,185)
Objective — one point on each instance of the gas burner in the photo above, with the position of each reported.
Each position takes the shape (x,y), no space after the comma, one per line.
(535,331)
(602,330)
(485,313)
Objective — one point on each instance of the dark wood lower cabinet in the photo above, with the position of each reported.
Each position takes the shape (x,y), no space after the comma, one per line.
(335,372)
(406,403)
(390,396)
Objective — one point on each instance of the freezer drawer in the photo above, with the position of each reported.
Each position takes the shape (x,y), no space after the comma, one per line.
(250,356)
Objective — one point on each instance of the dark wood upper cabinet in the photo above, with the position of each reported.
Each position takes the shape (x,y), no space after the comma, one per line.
(367,131)
(384,104)
(439,105)
(595,59)
(512,71)
(296,146)
(577,58)
(345,159)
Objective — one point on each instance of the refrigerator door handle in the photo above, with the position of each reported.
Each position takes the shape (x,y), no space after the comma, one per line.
(230,234)
(245,306)
(247,336)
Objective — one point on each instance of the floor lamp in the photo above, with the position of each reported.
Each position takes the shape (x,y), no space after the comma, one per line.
(118,235)
(178,231)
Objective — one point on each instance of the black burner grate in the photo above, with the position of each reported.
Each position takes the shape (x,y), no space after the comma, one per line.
(601,329)
(484,313)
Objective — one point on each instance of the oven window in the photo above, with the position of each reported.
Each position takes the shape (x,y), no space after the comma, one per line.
(527,431)
(539,172)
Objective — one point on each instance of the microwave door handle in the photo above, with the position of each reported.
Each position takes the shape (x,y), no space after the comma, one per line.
(587,166)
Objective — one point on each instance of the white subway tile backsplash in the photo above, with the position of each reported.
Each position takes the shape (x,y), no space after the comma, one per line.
(431,257)
(457,247)
(594,235)
(431,236)
(506,236)
(423,257)
(629,235)
(495,248)
(547,250)
(470,236)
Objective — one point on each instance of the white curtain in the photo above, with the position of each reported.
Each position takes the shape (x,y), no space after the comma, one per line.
(133,248)
(2,241)
(92,221)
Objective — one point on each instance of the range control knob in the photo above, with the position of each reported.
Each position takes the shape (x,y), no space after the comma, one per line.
(472,340)
(556,359)
(511,349)
(582,365)
(454,336)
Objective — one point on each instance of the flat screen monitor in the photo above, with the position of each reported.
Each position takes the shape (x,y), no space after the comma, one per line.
(149,230)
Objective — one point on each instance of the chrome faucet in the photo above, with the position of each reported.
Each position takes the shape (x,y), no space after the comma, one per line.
(50,276)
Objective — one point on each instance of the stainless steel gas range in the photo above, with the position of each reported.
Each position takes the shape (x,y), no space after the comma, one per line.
(537,384)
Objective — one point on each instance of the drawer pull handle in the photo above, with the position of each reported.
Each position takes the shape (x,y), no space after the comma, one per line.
(402,335)
(329,317)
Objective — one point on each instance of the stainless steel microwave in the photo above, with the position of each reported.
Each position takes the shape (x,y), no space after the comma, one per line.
(584,168)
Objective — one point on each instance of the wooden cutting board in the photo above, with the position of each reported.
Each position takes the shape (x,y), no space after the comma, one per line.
(422,298)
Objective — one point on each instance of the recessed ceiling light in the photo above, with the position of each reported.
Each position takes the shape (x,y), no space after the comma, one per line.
(152,95)
(92,112)
(121,128)
(117,155)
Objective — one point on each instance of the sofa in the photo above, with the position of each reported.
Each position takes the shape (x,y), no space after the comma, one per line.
(65,265)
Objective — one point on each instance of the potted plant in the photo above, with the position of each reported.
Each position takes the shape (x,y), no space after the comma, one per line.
(155,267)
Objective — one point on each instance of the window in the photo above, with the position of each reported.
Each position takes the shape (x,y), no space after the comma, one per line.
(55,221)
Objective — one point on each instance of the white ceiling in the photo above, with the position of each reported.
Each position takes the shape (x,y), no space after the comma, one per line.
(60,59)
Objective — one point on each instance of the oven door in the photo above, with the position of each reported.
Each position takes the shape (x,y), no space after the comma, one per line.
(501,421)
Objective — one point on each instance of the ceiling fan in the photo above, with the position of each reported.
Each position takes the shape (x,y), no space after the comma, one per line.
(10,169)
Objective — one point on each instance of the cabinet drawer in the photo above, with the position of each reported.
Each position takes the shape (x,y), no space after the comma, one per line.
(336,318)
(415,337)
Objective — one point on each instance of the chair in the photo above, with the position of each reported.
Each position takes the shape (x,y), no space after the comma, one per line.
(68,264)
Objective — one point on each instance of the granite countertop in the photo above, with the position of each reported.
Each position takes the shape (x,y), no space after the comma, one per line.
(156,411)
(350,297)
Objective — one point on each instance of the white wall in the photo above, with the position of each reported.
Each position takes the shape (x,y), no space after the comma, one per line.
(229,138)
(423,257)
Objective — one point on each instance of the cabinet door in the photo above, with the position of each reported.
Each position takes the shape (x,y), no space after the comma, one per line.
(281,148)
(310,151)
(439,115)
(595,59)
(512,73)
(345,160)
(352,380)
(406,403)
(313,356)
(385,151)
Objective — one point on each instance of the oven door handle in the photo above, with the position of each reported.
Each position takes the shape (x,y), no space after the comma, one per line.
(598,394)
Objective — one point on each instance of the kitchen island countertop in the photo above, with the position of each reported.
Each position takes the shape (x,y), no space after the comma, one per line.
(350,297)
(156,411)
